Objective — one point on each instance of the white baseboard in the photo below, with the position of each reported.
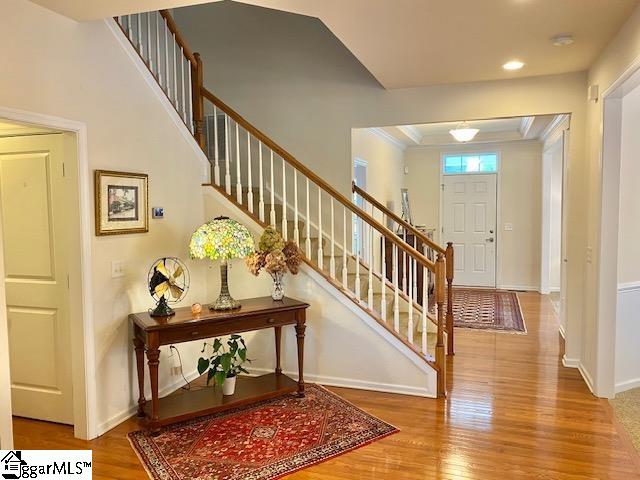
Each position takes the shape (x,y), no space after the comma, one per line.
(570,362)
(586,376)
(354,383)
(627,385)
(129,412)
(525,288)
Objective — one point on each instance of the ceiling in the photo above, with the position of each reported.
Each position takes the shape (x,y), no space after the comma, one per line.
(491,131)
(411,43)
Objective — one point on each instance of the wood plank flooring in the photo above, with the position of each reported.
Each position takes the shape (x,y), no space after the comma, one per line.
(513,412)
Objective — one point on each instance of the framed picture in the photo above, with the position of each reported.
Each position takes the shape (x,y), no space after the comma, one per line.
(121,201)
(406,208)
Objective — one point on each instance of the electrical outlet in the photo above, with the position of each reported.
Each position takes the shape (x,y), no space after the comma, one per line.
(117,269)
(508,227)
(589,254)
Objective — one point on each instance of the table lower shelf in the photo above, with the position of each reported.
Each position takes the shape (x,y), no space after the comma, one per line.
(187,404)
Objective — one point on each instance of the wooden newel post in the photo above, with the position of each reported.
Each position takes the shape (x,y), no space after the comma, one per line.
(198,101)
(440,296)
(450,264)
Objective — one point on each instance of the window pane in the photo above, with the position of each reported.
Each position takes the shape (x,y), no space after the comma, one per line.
(471,163)
(452,164)
(489,163)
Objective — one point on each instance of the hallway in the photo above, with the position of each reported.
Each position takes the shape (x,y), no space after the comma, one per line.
(513,412)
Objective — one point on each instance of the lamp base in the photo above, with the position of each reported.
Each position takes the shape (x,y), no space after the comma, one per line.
(224,301)
(162,309)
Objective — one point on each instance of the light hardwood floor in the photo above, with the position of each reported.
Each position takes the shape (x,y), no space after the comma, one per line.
(513,412)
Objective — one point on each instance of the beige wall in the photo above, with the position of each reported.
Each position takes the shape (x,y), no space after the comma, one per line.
(385,164)
(81,73)
(519,193)
(289,76)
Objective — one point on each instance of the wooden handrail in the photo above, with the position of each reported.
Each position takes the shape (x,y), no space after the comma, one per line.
(173,28)
(406,225)
(300,167)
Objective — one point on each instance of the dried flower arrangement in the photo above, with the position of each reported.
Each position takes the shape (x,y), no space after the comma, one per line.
(277,257)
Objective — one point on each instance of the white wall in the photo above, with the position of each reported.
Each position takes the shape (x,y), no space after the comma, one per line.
(519,194)
(551,248)
(80,72)
(289,76)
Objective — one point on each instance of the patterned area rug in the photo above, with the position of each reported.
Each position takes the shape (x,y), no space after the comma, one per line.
(626,406)
(263,441)
(487,310)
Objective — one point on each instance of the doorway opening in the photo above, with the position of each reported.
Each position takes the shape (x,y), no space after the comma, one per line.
(42,308)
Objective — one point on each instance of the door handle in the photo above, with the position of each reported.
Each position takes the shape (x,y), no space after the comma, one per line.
(489,240)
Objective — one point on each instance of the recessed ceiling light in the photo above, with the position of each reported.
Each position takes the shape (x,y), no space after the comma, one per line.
(562,40)
(513,65)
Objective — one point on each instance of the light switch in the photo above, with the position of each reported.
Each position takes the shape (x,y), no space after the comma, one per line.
(117,269)
(508,227)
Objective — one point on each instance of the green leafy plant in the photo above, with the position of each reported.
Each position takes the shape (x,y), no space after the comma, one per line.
(224,362)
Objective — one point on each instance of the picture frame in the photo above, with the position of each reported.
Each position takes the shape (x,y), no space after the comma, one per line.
(406,208)
(121,202)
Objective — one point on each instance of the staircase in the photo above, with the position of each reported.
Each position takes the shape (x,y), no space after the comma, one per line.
(274,188)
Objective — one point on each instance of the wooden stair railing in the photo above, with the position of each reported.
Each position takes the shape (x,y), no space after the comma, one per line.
(425,243)
(273,187)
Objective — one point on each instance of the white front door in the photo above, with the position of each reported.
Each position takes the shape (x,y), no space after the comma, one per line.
(34,228)
(469,221)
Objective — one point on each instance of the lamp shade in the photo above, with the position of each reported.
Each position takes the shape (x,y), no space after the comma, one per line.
(221,239)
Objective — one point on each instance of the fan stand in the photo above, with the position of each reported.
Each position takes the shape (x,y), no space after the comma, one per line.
(162,309)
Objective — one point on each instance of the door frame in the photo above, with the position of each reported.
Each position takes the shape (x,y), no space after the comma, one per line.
(82,330)
(440,232)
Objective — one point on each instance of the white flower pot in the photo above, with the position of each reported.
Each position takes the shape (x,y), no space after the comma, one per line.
(229,385)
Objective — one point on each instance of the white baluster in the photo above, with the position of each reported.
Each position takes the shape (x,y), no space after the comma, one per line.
(273,187)
(344,247)
(396,291)
(250,190)
(216,155)
(404,262)
(296,230)
(238,174)
(184,93)
(357,285)
(308,224)
(157,15)
(129,29)
(175,72)
(370,260)
(320,253)
(332,260)
(411,297)
(285,226)
(261,189)
(414,277)
(166,57)
(207,136)
(227,154)
(149,41)
(383,278)
(139,25)
(425,304)
(190,108)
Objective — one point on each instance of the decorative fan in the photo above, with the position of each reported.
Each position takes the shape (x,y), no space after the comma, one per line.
(168,283)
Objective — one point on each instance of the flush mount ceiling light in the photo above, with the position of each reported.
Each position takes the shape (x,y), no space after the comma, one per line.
(463,132)
(562,40)
(513,65)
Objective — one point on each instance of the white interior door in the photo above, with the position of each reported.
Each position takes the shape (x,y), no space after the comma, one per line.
(469,221)
(32,206)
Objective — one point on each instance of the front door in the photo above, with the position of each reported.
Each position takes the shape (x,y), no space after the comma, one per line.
(469,221)
(32,200)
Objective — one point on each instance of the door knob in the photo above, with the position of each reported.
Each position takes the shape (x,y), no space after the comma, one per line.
(489,240)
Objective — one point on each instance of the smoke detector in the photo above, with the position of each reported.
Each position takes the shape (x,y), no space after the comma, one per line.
(562,40)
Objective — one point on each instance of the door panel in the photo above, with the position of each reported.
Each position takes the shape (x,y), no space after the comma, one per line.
(32,193)
(469,221)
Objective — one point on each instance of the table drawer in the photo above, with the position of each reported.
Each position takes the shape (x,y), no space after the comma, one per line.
(226,327)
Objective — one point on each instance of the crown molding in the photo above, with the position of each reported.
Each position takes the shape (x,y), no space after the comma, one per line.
(555,128)
(390,139)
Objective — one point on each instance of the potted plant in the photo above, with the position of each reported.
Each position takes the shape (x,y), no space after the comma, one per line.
(224,363)
(277,257)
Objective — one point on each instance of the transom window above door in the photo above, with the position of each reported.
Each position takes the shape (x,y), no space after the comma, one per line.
(470,163)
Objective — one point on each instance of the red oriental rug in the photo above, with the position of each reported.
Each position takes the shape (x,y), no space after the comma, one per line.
(484,309)
(263,441)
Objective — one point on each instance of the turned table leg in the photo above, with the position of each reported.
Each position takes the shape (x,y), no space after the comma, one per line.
(139,347)
(300,328)
(278,331)
(153,358)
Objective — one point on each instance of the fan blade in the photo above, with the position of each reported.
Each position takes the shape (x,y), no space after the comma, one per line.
(176,292)
(162,269)
(161,289)
(178,272)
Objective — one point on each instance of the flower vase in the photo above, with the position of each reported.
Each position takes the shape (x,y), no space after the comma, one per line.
(278,291)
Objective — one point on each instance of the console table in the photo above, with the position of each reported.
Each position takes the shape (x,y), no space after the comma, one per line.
(254,314)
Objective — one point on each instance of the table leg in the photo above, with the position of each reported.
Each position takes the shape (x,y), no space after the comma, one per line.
(139,347)
(300,328)
(278,331)
(153,358)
